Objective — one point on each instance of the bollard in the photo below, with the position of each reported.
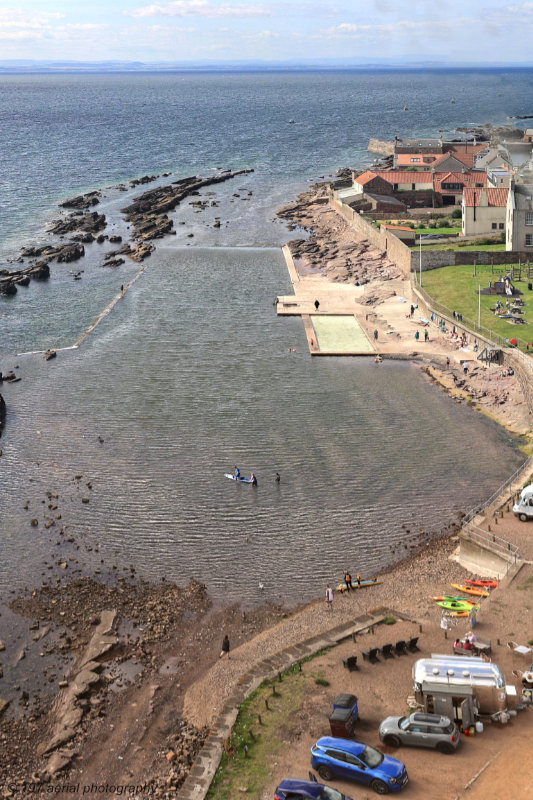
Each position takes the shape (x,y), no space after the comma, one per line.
(266,704)
(445,634)
(420,627)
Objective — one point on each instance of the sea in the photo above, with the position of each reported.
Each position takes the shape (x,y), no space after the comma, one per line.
(117,449)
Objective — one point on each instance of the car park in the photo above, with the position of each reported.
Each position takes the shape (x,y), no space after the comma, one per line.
(291,789)
(346,758)
(421,730)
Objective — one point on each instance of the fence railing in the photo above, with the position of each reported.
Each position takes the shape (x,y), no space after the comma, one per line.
(498,493)
(494,337)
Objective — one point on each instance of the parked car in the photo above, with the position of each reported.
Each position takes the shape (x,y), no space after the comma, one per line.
(345,758)
(421,730)
(291,789)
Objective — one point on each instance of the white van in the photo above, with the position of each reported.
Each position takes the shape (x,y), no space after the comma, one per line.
(523,508)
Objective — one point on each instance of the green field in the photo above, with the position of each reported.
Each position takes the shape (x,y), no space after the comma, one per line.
(456,288)
(495,248)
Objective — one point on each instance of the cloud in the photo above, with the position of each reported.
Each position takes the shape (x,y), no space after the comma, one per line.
(353,30)
(199,8)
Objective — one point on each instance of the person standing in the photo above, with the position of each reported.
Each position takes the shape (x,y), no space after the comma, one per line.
(278,477)
(426,335)
(348,581)
(417,335)
(225,647)
(329,598)
(358,579)
(376,335)
(317,305)
(237,472)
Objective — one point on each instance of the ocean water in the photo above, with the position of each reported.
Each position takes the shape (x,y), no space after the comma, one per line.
(191,373)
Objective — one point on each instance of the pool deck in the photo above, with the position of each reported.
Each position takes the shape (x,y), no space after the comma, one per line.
(390,318)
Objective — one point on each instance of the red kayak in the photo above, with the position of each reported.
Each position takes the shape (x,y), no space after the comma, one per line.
(483,584)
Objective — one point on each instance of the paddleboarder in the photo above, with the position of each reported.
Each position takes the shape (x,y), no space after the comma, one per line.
(253,479)
(237,472)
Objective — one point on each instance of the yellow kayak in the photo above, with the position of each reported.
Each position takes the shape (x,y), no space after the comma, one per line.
(471,590)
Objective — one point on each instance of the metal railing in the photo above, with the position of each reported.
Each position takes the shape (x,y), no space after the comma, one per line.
(499,492)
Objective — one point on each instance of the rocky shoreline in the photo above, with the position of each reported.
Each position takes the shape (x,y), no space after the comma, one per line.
(147,214)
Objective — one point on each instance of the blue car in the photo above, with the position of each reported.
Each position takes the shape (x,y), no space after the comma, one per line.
(291,789)
(344,758)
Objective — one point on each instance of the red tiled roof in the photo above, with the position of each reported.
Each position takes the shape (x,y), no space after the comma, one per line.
(398,228)
(495,197)
(365,177)
(466,179)
(406,177)
(406,159)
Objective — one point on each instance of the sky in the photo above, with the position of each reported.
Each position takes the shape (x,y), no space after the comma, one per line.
(454,31)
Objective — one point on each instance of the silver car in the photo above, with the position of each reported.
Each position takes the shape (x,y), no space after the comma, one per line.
(421,730)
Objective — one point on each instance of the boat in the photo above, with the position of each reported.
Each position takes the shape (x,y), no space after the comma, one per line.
(455,598)
(361,585)
(455,605)
(235,478)
(483,584)
(471,590)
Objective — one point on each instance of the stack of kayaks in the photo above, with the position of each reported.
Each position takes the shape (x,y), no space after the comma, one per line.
(457,606)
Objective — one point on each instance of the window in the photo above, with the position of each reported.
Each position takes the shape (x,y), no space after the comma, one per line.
(453,187)
(494,226)
(413,186)
(501,225)
(529,217)
(529,239)
(415,159)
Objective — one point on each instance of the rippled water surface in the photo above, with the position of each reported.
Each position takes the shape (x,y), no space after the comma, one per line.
(190,375)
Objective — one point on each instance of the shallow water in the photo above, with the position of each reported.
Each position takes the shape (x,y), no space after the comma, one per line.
(190,375)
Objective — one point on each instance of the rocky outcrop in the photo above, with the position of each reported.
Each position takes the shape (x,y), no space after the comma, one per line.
(69,711)
(149,212)
(82,201)
(63,253)
(2,414)
(78,221)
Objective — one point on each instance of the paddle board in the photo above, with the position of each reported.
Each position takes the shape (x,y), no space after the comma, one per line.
(372,582)
(234,478)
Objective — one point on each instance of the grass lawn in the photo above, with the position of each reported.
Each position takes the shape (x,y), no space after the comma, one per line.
(252,770)
(456,230)
(495,248)
(456,288)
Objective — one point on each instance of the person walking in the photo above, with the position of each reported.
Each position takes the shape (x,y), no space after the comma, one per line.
(225,647)
(426,335)
(417,335)
(348,581)
(329,598)
(465,368)
(376,335)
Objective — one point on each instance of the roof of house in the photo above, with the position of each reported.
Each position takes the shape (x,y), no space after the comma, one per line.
(523,195)
(450,162)
(385,198)
(405,159)
(365,177)
(402,176)
(495,197)
(464,178)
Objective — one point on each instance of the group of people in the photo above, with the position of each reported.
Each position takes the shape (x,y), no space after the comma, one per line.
(348,585)
(426,335)
(469,642)
(237,473)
